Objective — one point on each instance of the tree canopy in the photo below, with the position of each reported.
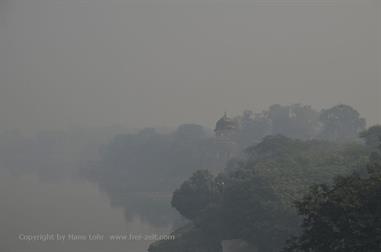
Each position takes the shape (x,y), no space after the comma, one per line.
(341,123)
(253,199)
(344,217)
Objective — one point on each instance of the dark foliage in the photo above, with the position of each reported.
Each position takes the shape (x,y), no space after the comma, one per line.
(345,217)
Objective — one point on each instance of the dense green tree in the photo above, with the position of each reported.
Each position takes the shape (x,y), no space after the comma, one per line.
(372,136)
(341,123)
(238,205)
(292,165)
(162,160)
(253,127)
(253,199)
(343,217)
(252,211)
(195,194)
(295,121)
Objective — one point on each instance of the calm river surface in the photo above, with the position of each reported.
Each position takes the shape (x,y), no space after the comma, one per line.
(32,206)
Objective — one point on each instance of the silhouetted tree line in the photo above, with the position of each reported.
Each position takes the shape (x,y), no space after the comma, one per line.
(169,158)
(339,123)
(326,196)
(286,150)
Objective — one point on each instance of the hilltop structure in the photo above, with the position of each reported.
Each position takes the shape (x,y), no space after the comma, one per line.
(225,136)
(226,127)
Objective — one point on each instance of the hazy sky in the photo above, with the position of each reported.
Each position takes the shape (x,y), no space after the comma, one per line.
(142,63)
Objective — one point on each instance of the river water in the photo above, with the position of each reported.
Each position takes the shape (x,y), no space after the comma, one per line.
(31,207)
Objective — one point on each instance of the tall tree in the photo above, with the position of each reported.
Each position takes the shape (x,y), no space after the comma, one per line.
(195,194)
(343,218)
(341,123)
(372,136)
(295,121)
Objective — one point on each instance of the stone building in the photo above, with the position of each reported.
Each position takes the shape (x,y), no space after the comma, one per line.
(225,137)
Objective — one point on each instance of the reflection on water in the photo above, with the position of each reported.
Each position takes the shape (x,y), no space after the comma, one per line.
(71,206)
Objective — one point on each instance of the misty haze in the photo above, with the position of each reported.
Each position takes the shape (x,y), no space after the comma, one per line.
(190,126)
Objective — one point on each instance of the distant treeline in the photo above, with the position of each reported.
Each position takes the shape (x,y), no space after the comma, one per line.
(164,160)
(152,161)
(339,123)
(52,154)
(253,200)
(300,180)
(286,195)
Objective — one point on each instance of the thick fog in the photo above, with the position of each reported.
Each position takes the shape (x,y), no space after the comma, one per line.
(161,63)
(202,120)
